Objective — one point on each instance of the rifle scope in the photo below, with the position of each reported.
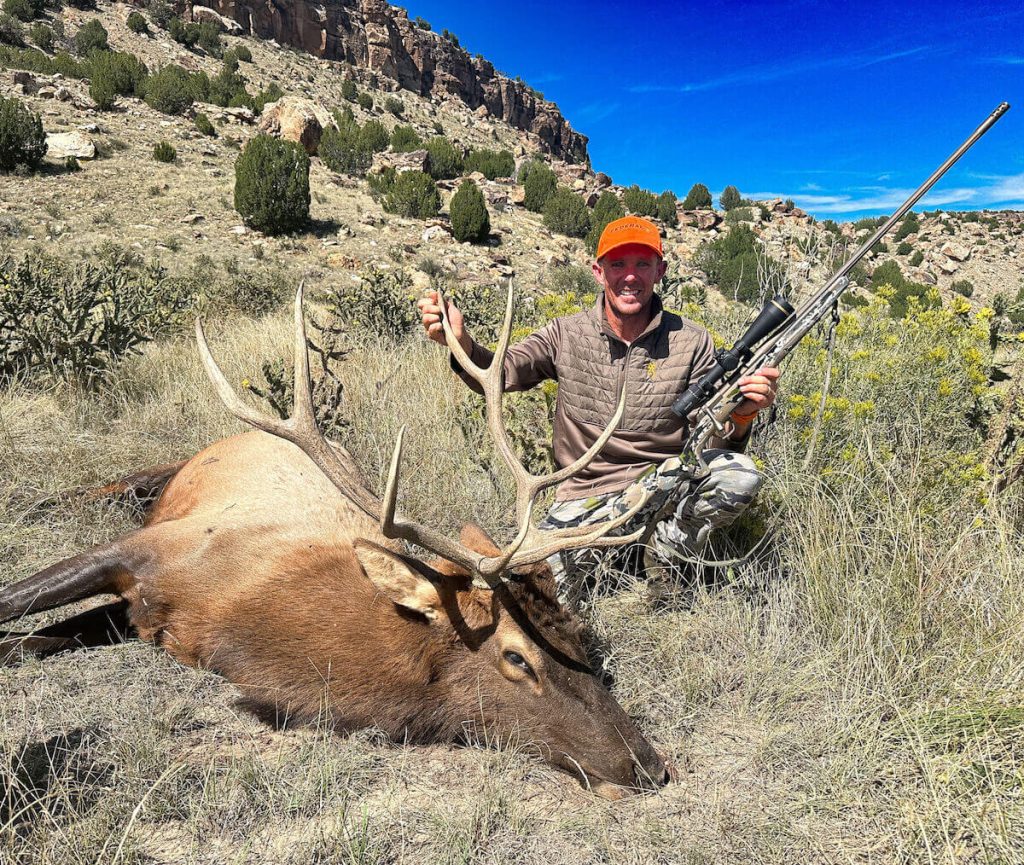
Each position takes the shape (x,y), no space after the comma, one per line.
(774,314)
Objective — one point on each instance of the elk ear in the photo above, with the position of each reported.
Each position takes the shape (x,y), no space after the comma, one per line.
(397,580)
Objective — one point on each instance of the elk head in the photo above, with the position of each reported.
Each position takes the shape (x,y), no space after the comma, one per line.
(485,622)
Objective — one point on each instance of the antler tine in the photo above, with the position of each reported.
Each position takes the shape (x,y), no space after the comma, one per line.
(300,429)
(596,535)
(417,533)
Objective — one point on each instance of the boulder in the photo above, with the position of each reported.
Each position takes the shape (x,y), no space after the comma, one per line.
(225,25)
(417,160)
(948,266)
(61,145)
(294,119)
(602,180)
(704,220)
(241,114)
(956,251)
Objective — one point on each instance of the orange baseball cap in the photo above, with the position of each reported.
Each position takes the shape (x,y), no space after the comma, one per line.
(629,229)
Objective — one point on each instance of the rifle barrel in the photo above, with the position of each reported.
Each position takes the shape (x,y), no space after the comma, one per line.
(912,200)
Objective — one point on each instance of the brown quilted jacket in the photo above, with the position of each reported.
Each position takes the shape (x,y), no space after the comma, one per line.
(591,364)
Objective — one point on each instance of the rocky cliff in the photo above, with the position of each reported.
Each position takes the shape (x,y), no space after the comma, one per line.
(375,36)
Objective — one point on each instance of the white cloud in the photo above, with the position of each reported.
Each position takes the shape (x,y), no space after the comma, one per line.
(594,112)
(768,72)
(1006,191)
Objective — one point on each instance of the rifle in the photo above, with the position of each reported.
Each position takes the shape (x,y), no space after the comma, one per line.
(776,331)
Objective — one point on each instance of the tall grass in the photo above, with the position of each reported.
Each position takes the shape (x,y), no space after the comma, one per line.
(852,693)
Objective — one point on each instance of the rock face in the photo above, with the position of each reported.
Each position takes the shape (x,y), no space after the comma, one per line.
(205,13)
(380,38)
(294,119)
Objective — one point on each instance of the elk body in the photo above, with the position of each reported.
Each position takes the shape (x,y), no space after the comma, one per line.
(267,560)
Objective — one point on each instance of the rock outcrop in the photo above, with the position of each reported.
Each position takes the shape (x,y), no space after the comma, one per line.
(377,37)
(295,119)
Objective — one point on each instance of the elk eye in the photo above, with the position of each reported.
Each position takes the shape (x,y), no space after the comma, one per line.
(517,660)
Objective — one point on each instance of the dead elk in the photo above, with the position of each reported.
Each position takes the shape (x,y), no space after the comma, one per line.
(266,559)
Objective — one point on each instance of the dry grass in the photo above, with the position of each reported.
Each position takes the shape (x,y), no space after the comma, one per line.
(853,695)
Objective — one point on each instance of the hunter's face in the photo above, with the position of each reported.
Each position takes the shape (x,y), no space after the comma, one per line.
(628,275)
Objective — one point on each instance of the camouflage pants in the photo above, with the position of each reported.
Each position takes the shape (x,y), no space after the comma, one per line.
(713,499)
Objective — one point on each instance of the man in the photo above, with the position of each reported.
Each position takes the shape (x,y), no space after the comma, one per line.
(628,340)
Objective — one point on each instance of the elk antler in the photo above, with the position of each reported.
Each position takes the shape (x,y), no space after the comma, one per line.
(528,486)
(300,429)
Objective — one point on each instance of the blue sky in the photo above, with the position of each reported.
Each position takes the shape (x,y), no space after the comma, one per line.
(843,107)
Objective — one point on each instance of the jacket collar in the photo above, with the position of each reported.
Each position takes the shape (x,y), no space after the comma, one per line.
(597,313)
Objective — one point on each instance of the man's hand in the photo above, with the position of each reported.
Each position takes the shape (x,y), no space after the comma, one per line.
(758,392)
(430,312)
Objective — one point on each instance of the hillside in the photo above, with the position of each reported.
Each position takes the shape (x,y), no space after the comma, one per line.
(180,211)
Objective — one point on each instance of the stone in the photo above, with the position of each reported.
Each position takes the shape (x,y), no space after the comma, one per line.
(191,218)
(89,127)
(61,145)
(46,92)
(241,114)
(948,266)
(293,118)
(956,251)
(417,160)
(225,25)
(435,232)
(517,195)
(602,180)
(239,230)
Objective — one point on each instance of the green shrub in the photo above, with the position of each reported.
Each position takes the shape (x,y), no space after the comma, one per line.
(365,101)
(394,105)
(378,305)
(904,248)
(640,201)
(75,320)
(739,214)
(373,136)
(421,23)
(205,126)
(243,53)
(566,213)
(71,165)
(492,164)
(226,88)
(22,140)
(910,225)
(445,160)
(963,287)
(272,185)
(169,90)
(413,194)
(917,258)
(265,97)
(405,140)
(888,281)
(349,91)
(24,10)
(137,23)
(115,73)
(607,209)
(90,35)
(731,262)
(42,36)
(730,198)
(698,198)
(164,152)
(382,182)
(470,220)
(666,208)
(540,185)
(12,33)
(343,150)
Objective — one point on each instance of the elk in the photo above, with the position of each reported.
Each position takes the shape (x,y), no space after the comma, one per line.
(267,559)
